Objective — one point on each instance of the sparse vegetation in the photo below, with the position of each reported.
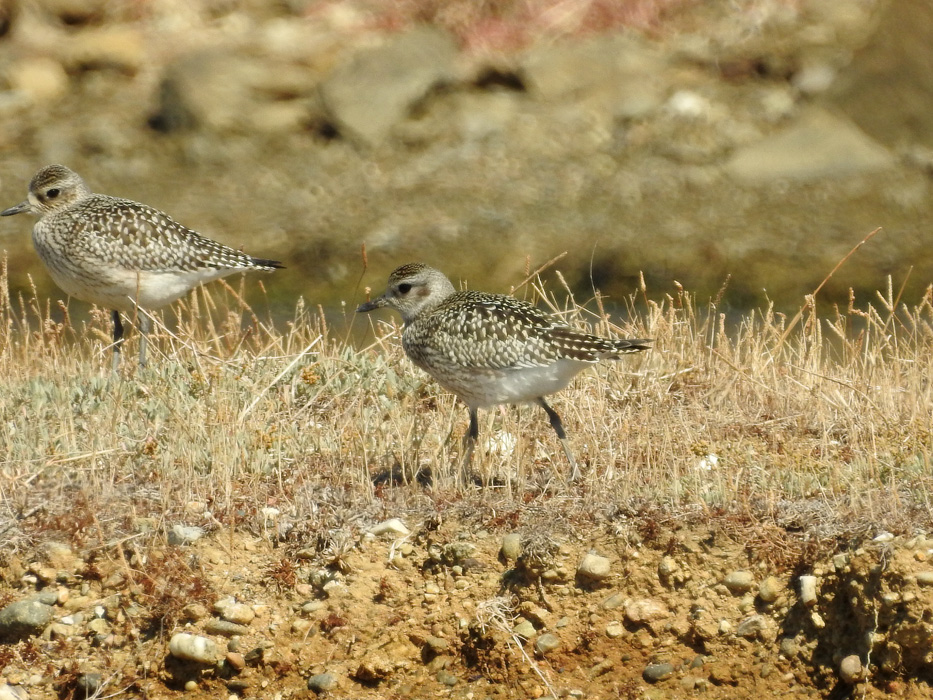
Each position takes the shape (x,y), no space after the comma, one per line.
(795,436)
(823,426)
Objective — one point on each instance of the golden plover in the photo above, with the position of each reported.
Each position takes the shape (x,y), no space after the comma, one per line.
(490,349)
(118,253)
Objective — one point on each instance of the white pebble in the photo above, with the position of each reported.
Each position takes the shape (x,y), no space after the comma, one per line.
(392,526)
(808,590)
(192,647)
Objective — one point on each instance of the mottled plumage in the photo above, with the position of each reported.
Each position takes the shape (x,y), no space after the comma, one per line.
(118,253)
(490,349)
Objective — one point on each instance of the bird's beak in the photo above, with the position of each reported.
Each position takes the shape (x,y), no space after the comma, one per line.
(18,209)
(371,305)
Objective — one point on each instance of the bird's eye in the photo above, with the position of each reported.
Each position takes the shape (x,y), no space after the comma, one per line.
(404,288)
(53,193)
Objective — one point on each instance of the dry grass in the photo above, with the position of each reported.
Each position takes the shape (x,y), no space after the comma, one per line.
(823,427)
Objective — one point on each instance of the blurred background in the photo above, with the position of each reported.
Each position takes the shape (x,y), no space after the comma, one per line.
(746,143)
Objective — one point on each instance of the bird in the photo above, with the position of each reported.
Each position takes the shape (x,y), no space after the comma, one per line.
(491,349)
(118,253)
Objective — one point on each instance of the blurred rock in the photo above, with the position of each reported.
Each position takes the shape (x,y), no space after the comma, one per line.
(618,74)
(116,48)
(12,692)
(74,11)
(208,89)
(39,78)
(185,534)
(818,145)
(23,618)
(895,67)
(378,87)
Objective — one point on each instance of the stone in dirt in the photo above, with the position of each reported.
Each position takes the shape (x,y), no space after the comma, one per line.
(808,590)
(770,589)
(547,643)
(850,669)
(23,618)
(658,672)
(392,526)
(511,546)
(739,582)
(12,692)
(191,647)
(594,567)
(645,610)
(322,682)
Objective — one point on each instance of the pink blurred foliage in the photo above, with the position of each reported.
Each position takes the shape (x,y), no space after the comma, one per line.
(485,26)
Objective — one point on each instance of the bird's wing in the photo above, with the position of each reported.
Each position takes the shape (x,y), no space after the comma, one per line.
(145,238)
(499,333)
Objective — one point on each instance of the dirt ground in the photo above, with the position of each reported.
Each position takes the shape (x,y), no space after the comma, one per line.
(628,608)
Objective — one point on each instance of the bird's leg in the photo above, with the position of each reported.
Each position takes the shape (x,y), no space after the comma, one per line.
(559,429)
(117,338)
(469,441)
(143,336)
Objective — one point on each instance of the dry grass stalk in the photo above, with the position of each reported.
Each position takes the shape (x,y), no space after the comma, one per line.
(750,417)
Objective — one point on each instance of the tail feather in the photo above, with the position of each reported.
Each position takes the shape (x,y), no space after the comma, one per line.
(270,264)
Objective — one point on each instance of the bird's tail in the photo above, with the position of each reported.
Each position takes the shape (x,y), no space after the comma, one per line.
(267,264)
(628,346)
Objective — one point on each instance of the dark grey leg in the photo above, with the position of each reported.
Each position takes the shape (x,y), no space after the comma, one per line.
(469,441)
(117,338)
(144,326)
(559,429)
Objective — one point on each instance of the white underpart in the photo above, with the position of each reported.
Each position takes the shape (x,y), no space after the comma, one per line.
(123,289)
(485,389)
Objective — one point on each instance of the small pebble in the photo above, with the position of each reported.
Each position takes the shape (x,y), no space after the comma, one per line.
(446,678)
(925,578)
(770,589)
(739,582)
(657,672)
(393,526)
(236,661)
(594,567)
(185,534)
(808,590)
(850,669)
(511,547)
(224,628)
(192,647)
(612,602)
(751,626)
(524,629)
(615,629)
(546,643)
(322,682)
